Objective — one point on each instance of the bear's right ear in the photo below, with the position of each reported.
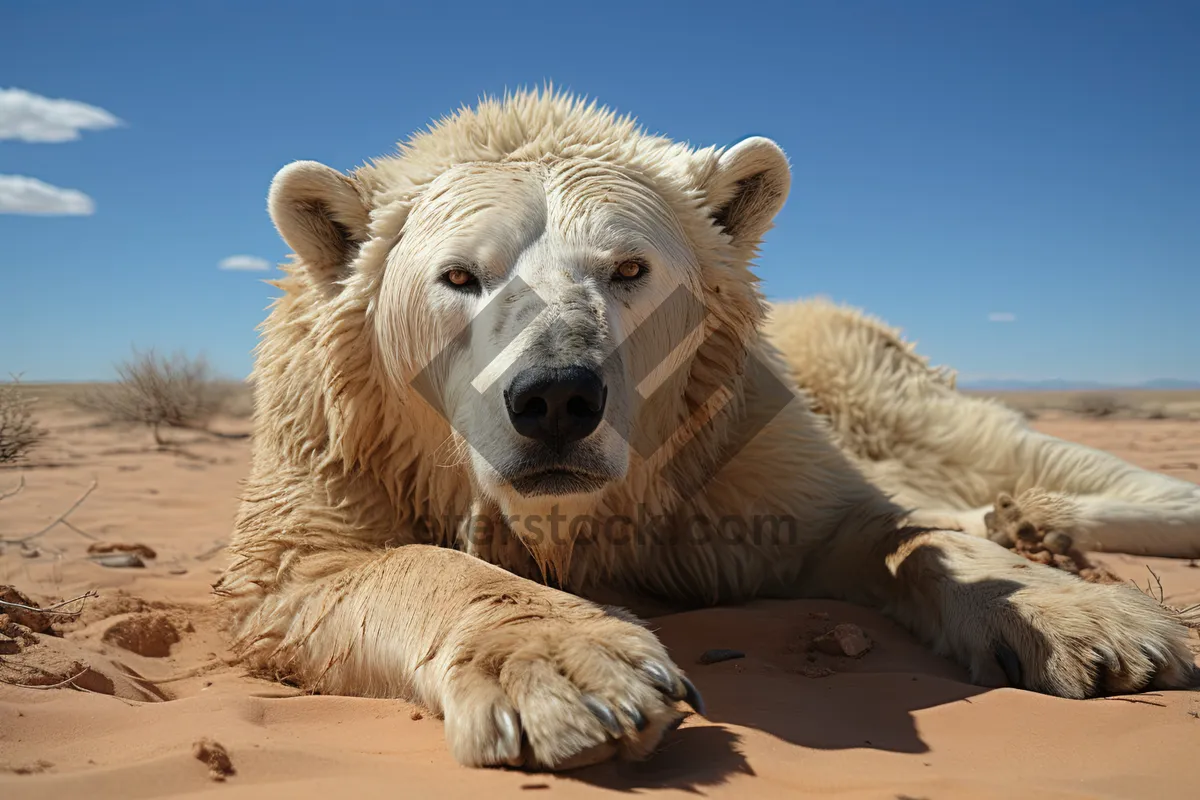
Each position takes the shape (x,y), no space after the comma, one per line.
(321,214)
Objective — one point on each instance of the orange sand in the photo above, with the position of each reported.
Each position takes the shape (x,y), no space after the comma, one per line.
(899,722)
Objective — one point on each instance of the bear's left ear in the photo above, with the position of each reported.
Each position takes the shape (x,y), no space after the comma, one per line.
(748,188)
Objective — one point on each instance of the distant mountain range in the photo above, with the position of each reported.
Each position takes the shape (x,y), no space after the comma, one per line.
(1061,385)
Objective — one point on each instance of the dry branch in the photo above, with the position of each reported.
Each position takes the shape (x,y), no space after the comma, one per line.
(182,676)
(18,428)
(1189,616)
(14,492)
(54,609)
(61,519)
(68,681)
(212,551)
(1149,591)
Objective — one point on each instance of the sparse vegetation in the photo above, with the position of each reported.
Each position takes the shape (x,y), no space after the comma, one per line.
(239,400)
(1156,412)
(19,432)
(179,391)
(1097,405)
(1124,404)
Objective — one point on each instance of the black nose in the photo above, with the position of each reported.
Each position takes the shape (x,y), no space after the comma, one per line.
(555,406)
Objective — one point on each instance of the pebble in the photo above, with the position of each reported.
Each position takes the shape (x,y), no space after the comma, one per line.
(718,655)
(119,560)
(844,640)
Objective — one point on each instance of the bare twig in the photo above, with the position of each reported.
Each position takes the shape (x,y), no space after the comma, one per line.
(191,673)
(1149,591)
(1141,700)
(1189,616)
(212,551)
(1158,582)
(129,703)
(14,492)
(52,685)
(81,532)
(61,519)
(214,434)
(54,608)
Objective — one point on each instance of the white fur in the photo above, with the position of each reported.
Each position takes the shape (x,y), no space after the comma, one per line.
(356,568)
(950,455)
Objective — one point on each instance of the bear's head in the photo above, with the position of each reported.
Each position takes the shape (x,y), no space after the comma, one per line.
(535,295)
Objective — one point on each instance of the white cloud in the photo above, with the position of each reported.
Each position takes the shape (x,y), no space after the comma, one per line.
(30,117)
(245,263)
(22,195)
(1002,316)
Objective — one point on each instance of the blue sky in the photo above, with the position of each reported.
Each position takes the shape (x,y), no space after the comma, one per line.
(952,161)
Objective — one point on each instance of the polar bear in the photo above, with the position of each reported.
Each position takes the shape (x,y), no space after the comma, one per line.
(517,388)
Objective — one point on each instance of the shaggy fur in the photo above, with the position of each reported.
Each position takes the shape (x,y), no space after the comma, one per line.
(379,552)
(952,456)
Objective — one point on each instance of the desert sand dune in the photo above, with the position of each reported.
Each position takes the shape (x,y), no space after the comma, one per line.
(785,719)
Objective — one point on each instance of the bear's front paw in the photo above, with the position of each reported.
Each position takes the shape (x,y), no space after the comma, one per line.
(547,694)
(1059,635)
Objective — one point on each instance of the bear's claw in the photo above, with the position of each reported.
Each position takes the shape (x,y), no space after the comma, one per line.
(681,689)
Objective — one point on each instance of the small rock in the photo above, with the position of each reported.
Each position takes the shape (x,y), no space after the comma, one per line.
(36,768)
(844,640)
(119,560)
(177,571)
(415,715)
(30,552)
(103,548)
(36,621)
(8,645)
(149,635)
(22,635)
(812,671)
(216,757)
(718,655)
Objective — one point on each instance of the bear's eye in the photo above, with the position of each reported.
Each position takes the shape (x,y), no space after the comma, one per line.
(629,271)
(459,278)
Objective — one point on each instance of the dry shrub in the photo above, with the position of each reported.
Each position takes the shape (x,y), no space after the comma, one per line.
(18,427)
(1155,412)
(175,392)
(239,400)
(1096,405)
